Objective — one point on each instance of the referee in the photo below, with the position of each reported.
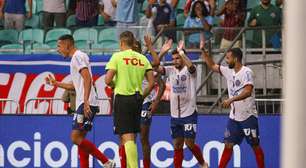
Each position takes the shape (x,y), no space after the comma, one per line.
(125,72)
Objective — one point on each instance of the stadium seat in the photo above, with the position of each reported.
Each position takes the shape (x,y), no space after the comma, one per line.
(39,48)
(108,34)
(33,22)
(31,36)
(180,20)
(8,36)
(15,49)
(53,34)
(85,36)
(180,6)
(100,20)
(105,47)
(39,6)
(70,22)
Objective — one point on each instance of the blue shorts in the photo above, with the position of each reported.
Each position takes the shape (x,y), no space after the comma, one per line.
(184,127)
(146,119)
(237,130)
(80,122)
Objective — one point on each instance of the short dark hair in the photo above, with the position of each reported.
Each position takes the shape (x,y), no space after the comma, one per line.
(127,38)
(237,53)
(174,52)
(204,9)
(67,37)
(137,46)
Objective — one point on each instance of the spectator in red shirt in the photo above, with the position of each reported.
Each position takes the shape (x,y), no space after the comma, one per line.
(87,12)
(233,18)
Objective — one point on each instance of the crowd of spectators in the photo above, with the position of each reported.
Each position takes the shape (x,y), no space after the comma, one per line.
(157,14)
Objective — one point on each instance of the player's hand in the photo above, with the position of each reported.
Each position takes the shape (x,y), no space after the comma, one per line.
(50,80)
(153,106)
(148,41)
(181,45)
(226,103)
(87,111)
(167,46)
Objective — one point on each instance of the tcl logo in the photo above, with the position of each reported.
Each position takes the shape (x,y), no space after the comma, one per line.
(133,61)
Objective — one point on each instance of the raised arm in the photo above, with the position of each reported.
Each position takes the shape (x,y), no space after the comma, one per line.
(186,60)
(209,61)
(165,48)
(161,89)
(148,42)
(50,80)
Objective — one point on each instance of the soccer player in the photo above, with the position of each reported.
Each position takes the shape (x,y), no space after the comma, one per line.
(151,102)
(86,102)
(242,121)
(183,105)
(125,72)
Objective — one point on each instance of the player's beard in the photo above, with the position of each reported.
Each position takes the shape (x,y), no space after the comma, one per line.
(231,65)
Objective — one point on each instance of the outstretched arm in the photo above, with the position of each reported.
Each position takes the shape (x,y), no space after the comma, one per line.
(186,60)
(209,61)
(50,80)
(148,42)
(165,48)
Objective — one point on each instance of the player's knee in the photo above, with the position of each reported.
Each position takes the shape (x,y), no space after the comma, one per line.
(178,145)
(228,145)
(254,142)
(75,138)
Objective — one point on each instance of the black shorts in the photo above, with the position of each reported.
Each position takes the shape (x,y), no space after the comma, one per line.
(127,111)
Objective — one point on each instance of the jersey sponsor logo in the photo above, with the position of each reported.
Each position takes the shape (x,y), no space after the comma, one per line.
(133,61)
(179,89)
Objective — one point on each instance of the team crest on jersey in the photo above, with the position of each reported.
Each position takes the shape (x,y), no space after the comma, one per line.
(183,77)
(237,82)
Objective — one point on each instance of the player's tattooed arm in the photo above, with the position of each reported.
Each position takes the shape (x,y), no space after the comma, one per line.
(207,58)
(148,42)
(161,89)
(50,80)
(150,79)
(165,48)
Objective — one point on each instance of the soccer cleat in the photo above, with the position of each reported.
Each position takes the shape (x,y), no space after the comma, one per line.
(205,165)
(109,164)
